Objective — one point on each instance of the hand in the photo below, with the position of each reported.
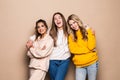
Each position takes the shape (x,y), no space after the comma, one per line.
(87,27)
(29,44)
(93,31)
(43,48)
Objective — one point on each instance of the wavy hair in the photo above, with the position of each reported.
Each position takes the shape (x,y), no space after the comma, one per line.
(81,26)
(36,27)
(54,30)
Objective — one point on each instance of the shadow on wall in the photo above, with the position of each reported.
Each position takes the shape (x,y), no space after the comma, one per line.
(26,60)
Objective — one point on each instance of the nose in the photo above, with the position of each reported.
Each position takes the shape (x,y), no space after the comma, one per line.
(57,20)
(73,25)
(39,28)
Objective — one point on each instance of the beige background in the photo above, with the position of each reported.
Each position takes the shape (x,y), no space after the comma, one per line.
(17,21)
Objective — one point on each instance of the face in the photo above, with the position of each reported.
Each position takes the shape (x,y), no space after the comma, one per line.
(41,28)
(58,21)
(73,25)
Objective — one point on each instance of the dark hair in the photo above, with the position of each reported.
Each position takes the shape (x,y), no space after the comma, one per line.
(36,27)
(54,30)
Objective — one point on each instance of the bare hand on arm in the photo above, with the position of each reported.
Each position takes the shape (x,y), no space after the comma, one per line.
(93,31)
(43,48)
(87,27)
(29,44)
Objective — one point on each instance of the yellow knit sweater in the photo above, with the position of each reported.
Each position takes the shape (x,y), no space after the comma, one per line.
(84,51)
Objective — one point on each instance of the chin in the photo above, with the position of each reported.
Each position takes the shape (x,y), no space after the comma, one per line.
(59,26)
(76,29)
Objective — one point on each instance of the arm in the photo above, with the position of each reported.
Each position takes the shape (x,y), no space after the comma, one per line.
(91,40)
(75,48)
(29,44)
(29,54)
(30,41)
(40,53)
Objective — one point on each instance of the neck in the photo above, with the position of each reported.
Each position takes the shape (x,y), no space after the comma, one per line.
(43,35)
(60,28)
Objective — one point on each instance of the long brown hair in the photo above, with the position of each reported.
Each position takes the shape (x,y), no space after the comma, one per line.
(81,26)
(54,30)
(36,27)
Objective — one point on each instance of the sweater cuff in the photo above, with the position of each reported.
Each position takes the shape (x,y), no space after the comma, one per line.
(32,50)
(87,27)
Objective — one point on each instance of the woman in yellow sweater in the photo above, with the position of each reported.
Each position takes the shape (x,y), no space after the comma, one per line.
(82,45)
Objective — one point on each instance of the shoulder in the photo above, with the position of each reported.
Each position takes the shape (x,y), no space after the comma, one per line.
(32,37)
(49,38)
(70,37)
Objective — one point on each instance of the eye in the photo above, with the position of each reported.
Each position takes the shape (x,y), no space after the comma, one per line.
(74,22)
(42,26)
(70,24)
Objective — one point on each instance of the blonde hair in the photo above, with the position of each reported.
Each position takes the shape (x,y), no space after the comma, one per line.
(80,24)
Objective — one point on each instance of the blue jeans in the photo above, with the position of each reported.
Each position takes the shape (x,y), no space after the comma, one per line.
(58,69)
(90,71)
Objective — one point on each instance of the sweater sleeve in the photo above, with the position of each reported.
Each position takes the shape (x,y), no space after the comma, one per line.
(29,54)
(91,40)
(75,48)
(38,53)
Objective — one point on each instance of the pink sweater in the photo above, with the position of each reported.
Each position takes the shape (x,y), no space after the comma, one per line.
(39,57)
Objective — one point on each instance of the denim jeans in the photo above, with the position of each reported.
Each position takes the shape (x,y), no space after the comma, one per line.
(90,71)
(58,69)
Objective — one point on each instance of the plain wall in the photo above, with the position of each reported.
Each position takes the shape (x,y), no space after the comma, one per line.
(17,21)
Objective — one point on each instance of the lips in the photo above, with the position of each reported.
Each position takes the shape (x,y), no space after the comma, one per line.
(41,31)
(58,23)
(74,28)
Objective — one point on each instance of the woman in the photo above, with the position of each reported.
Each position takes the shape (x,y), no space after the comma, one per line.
(59,59)
(39,51)
(82,45)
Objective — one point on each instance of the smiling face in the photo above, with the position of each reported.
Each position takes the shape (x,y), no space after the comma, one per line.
(74,25)
(41,28)
(58,21)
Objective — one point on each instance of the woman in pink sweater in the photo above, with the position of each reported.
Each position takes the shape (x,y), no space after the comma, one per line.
(39,51)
